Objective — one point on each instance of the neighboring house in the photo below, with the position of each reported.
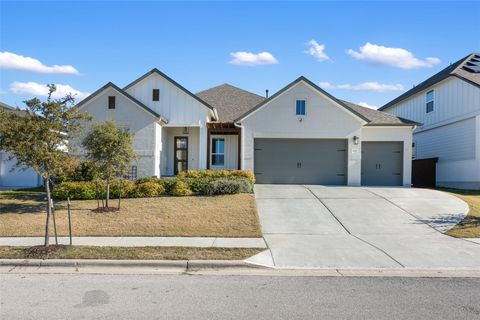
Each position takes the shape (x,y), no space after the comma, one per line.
(10,175)
(301,134)
(448,105)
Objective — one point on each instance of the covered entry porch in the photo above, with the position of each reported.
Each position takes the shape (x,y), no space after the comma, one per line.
(223,146)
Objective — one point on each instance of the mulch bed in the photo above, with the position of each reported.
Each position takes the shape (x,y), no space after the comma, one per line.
(105,210)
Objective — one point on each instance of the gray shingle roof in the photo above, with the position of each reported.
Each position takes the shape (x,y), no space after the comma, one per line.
(379,118)
(229,101)
(232,103)
(458,69)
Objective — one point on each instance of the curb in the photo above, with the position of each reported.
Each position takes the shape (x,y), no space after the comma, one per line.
(165,264)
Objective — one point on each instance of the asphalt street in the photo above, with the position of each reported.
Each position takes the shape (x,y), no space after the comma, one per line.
(97,296)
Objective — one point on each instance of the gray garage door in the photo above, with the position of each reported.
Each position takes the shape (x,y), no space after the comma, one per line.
(382,163)
(301,161)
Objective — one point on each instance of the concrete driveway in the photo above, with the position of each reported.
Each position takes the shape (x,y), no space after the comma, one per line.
(356,227)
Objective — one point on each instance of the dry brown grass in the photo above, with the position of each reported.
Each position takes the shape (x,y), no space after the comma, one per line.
(469,227)
(136,253)
(221,216)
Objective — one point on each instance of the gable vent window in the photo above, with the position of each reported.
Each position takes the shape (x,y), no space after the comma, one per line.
(156,95)
(300,107)
(429,101)
(111,102)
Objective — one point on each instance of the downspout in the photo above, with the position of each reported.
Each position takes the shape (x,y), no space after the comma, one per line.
(242,138)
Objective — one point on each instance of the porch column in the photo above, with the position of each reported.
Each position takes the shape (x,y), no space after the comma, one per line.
(202,144)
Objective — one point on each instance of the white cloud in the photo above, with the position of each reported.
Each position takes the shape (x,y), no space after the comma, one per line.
(317,50)
(395,57)
(364,86)
(366,105)
(38,89)
(9,60)
(243,58)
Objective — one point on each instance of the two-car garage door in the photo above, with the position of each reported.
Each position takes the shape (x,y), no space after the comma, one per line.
(301,161)
(324,161)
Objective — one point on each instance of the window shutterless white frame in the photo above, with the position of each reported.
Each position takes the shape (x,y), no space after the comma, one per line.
(217,151)
(299,109)
(430,101)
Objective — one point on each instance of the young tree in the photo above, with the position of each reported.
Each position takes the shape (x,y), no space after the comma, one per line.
(111,150)
(40,138)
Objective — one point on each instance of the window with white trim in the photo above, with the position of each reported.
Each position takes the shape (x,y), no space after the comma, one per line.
(429,104)
(300,107)
(218,152)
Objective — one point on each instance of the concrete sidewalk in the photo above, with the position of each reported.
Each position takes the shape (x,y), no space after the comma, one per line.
(202,242)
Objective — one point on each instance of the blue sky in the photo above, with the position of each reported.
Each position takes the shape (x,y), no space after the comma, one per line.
(366,52)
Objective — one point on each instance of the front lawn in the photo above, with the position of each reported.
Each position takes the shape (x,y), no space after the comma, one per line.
(469,227)
(135,253)
(22,213)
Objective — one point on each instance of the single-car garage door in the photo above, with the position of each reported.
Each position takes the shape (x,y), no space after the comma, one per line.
(382,163)
(301,161)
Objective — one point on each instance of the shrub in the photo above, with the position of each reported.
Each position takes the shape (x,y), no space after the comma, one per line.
(198,180)
(167,183)
(146,179)
(148,189)
(217,174)
(222,187)
(180,188)
(87,190)
(81,190)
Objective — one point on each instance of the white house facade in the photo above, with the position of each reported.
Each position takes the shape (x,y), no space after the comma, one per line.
(12,176)
(448,106)
(299,135)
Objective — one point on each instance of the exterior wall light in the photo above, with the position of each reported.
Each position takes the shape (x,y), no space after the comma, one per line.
(356,140)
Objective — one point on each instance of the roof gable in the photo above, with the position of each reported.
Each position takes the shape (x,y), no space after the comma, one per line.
(138,103)
(314,87)
(176,84)
(461,69)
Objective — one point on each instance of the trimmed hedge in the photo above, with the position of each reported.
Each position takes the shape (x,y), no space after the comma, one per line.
(198,180)
(87,190)
(148,189)
(224,186)
(209,182)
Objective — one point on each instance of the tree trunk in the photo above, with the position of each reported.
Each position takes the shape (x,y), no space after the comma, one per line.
(108,193)
(49,210)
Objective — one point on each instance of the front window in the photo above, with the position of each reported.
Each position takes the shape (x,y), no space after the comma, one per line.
(218,152)
(429,101)
(300,107)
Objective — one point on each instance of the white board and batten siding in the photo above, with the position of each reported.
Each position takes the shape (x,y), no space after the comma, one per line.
(132,117)
(324,119)
(451,132)
(176,106)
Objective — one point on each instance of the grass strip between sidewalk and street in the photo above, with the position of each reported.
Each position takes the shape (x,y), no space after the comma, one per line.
(133,253)
(469,227)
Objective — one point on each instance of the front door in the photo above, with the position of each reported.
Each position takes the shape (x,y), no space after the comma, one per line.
(180,162)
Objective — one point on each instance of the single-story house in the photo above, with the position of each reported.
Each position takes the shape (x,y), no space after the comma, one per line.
(301,134)
(448,105)
(12,176)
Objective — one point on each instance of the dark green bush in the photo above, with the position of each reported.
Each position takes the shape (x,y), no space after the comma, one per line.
(147,179)
(147,189)
(227,186)
(168,184)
